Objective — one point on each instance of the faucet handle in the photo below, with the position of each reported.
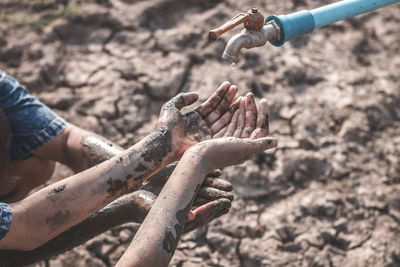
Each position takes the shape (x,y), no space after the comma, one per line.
(252,19)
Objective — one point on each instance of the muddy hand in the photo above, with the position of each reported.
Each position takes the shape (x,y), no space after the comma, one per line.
(247,121)
(190,128)
(214,195)
(213,200)
(206,213)
(213,188)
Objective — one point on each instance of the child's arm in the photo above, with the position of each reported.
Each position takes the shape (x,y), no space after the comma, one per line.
(54,209)
(159,234)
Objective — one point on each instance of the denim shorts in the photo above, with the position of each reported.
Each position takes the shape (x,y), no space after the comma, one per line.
(31,123)
(5,219)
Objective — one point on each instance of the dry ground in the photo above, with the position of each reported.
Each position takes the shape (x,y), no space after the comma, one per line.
(329,196)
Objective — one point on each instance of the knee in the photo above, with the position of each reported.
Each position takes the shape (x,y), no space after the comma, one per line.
(42,172)
(33,172)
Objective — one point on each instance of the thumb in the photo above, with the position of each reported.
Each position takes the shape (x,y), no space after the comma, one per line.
(206,213)
(180,101)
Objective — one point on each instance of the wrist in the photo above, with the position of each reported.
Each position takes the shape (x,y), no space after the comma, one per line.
(158,147)
(200,156)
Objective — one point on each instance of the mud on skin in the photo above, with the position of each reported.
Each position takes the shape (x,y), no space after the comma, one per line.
(116,186)
(158,146)
(170,242)
(58,219)
(192,127)
(97,150)
(52,195)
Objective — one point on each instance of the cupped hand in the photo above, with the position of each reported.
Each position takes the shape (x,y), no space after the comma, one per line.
(228,151)
(247,121)
(243,136)
(198,125)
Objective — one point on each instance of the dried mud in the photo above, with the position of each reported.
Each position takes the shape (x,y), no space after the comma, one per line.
(329,196)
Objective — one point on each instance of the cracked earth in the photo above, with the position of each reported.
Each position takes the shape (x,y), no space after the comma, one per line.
(329,196)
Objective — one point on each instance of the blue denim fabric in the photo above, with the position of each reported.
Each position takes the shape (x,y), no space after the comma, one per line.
(31,123)
(5,219)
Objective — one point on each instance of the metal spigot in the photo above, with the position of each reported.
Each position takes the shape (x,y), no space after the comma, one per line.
(255,33)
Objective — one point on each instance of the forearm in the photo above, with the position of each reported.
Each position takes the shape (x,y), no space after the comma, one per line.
(85,149)
(56,208)
(128,208)
(165,221)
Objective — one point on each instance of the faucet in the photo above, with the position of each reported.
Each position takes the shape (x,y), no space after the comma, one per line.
(255,33)
(279,29)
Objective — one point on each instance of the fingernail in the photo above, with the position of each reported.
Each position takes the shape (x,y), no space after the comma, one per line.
(271,143)
(248,98)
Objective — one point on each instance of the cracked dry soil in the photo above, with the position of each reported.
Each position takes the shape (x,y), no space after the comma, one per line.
(329,196)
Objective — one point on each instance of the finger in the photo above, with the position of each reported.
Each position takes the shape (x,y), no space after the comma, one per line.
(251,147)
(250,116)
(223,105)
(212,102)
(180,101)
(220,184)
(191,216)
(200,201)
(241,119)
(215,173)
(206,213)
(226,118)
(220,133)
(265,143)
(262,128)
(211,193)
(232,125)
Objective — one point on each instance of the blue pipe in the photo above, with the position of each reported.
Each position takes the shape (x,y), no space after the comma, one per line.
(305,21)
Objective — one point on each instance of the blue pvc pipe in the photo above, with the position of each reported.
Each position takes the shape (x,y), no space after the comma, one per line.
(305,21)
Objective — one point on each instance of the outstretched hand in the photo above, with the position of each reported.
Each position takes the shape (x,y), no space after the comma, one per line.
(247,121)
(243,137)
(198,125)
(239,140)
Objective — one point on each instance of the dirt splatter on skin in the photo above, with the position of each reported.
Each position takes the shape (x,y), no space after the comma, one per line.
(192,127)
(97,150)
(58,219)
(327,106)
(52,195)
(170,241)
(158,146)
(140,168)
(116,186)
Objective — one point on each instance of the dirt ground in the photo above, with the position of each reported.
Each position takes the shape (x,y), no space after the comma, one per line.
(329,196)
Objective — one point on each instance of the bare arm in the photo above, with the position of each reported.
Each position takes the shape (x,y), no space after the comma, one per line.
(165,221)
(132,207)
(56,208)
